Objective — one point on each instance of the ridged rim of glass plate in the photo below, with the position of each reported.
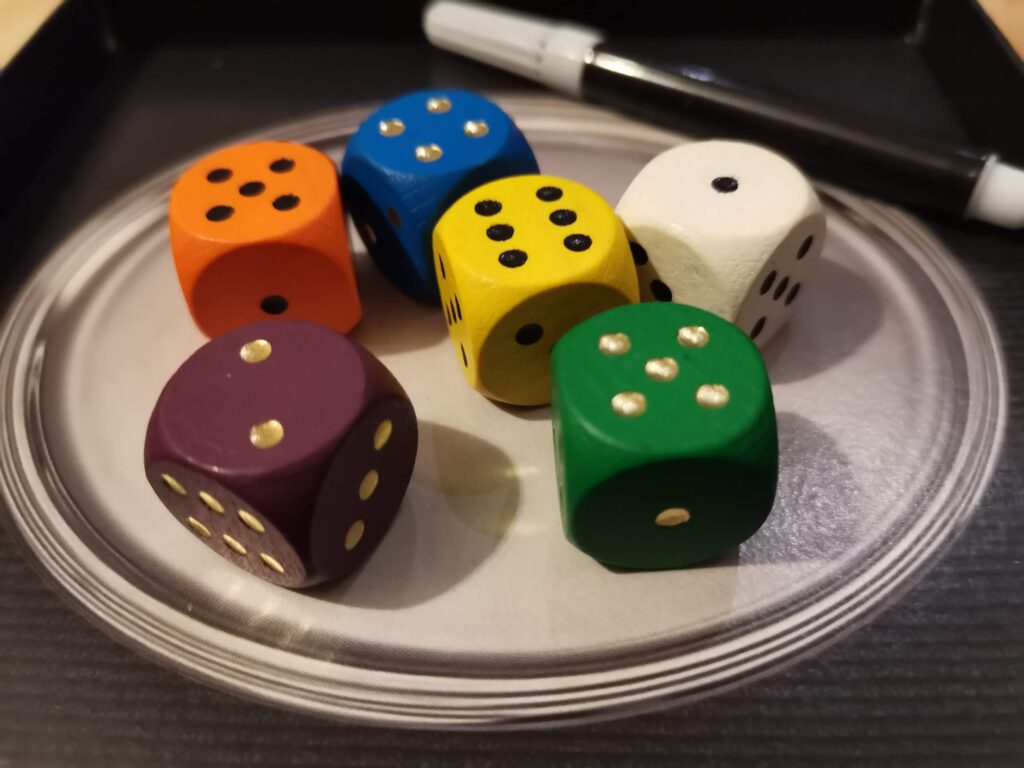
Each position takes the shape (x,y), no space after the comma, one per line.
(41,511)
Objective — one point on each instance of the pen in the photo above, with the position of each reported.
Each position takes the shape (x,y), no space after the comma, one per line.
(576,60)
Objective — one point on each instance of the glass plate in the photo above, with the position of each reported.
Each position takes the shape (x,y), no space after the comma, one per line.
(475,611)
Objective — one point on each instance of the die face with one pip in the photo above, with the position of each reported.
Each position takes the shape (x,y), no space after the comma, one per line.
(665,436)
(726,226)
(520,261)
(410,160)
(258,231)
(285,447)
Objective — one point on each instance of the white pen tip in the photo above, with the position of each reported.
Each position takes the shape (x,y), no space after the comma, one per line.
(998,196)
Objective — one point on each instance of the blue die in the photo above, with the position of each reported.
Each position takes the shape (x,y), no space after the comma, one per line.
(413,158)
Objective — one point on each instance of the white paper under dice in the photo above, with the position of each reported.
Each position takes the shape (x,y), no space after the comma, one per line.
(726,226)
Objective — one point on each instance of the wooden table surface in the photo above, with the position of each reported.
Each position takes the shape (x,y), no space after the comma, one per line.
(19,19)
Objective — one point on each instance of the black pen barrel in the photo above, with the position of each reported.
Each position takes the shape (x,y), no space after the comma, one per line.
(697,101)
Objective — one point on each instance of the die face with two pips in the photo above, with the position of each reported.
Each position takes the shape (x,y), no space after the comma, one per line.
(257,231)
(726,226)
(665,436)
(410,160)
(285,447)
(520,261)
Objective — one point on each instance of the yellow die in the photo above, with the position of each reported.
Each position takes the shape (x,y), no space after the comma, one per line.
(520,261)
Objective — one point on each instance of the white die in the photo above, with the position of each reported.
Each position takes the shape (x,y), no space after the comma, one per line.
(726,226)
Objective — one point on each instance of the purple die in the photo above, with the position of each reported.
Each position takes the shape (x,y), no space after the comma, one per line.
(286,447)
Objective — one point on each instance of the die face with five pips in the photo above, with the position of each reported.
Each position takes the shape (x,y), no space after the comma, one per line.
(285,447)
(410,160)
(257,231)
(665,436)
(726,226)
(519,262)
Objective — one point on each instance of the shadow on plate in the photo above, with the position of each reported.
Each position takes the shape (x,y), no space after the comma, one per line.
(460,506)
(392,322)
(727,559)
(817,506)
(830,321)
(527,412)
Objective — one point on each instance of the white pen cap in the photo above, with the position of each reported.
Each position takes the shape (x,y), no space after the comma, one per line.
(550,52)
(998,195)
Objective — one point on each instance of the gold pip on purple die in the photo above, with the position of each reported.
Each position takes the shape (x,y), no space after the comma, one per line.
(285,447)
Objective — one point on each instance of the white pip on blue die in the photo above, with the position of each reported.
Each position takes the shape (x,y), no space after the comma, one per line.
(729,227)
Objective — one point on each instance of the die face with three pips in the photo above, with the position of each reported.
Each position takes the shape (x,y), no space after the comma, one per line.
(257,231)
(519,262)
(665,436)
(726,226)
(410,160)
(285,447)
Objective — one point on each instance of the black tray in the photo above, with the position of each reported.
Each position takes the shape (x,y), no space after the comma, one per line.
(110,91)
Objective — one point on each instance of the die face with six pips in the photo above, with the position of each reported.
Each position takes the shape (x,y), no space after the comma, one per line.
(257,231)
(726,226)
(519,262)
(410,160)
(285,447)
(665,436)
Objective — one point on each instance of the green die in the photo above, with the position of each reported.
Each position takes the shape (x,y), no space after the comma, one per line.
(665,435)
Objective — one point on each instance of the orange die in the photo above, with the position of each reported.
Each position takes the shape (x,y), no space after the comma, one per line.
(258,230)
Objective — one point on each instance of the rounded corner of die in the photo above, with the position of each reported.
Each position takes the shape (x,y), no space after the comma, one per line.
(178,188)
